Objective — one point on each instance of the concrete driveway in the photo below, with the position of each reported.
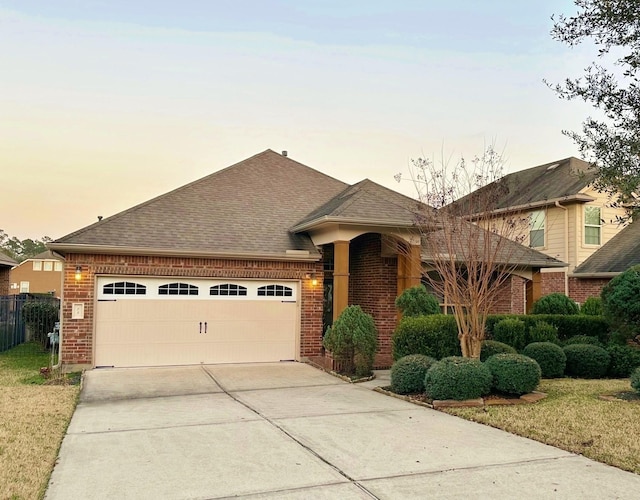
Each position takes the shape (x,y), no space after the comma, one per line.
(289,431)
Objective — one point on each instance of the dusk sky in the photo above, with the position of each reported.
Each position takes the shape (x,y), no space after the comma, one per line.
(107,103)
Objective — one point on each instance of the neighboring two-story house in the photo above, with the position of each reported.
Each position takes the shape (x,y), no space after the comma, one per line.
(39,274)
(563,216)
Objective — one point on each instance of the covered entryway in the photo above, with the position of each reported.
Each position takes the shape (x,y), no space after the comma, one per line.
(176,321)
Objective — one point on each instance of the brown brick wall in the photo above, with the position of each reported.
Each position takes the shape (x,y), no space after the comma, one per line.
(510,296)
(77,335)
(580,289)
(373,285)
(552,283)
(4,280)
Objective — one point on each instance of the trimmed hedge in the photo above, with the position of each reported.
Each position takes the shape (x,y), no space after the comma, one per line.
(592,307)
(416,301)
(511,331)
(408,373)
(514,373)
(586,361)
(635,380)
(435,336)
(568,325)
(542,331)
(491,347)
(624,360)
(583,339)
(458,378)
(555,303)
(549,356)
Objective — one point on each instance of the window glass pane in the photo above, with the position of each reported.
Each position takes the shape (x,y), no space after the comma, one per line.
(37,265)
(57,266)
(592,216)
(592,235)
(48,266)
(536,238)
(537,220)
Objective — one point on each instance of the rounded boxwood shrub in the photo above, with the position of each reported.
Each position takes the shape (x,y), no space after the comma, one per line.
(621,302)
(583,339)
(491,347)
(513,373)
(457,378)
(408,373)
(592,307)
(510,331)
(586,361)
(416,301)
(555,303)
(635,380)
(549,356)
(435,335)
(624,359)
(541,331)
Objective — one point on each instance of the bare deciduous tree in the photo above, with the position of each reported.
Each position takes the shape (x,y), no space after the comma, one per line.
(471,249)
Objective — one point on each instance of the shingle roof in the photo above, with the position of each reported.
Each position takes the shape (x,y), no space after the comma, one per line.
(47,254)
(7,261)
(247,208)
(617,255)
(366,202)
(551,181)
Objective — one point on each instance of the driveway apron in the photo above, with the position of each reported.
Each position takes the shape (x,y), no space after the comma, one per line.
(289,431)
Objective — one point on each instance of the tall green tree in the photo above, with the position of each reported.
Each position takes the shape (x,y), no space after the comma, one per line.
(22,249)
(611,138)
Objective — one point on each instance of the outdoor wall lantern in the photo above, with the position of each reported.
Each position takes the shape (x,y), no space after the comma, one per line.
(78,273)
(312,277)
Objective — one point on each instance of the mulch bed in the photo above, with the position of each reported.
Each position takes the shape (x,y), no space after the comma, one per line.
(628,396)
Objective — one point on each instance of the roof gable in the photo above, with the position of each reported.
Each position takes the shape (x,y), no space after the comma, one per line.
(7,261)
(244,209)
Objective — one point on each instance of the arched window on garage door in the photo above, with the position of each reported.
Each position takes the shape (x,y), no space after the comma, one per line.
(275,291)
(124,288)
(228,289)
(177,289)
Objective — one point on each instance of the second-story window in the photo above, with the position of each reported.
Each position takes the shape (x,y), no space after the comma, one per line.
(592,225)
(536,229)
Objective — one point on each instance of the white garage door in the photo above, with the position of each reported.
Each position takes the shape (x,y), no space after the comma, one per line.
(175,321)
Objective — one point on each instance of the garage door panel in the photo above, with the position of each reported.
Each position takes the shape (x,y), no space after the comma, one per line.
(191,330)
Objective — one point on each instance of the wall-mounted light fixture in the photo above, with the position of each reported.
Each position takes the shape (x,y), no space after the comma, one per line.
(78,273)
(312,277)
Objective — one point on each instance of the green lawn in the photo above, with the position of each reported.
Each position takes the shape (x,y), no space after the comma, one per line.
(33,420)
(574,419)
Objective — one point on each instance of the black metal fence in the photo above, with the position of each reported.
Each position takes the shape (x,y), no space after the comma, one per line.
(15,328)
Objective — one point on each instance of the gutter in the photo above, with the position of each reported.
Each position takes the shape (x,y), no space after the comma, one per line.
(294,255)
(580,198)
(325,219)
(603,275)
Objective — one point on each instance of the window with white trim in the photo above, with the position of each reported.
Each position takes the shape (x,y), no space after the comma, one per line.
(57,267)
(48,265)
(536,229)
(124,288)
(228,289)
(24,287)
(592,225)
(275,291)
(177,289)
(37,265)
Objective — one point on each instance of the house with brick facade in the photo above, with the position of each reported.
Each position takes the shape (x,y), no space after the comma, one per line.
(248,264)
(39,274)
(567,218)
(6,263)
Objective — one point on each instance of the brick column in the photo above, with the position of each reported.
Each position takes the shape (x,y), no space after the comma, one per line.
(340,277)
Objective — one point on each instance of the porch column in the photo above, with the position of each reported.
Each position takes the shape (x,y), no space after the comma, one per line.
(340,277)
(409,267)
(536,288)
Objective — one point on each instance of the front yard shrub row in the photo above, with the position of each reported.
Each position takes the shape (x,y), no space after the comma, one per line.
(568,325)
(491,347)
(621,302)
(511,331)
(635,380)
(583,339)
(542,331)
(514,373)
(624,360)
(416,301)
(555,303)
(435,336)
(586,361)
(592,307)
(549,356)
(458,378)
(408,373)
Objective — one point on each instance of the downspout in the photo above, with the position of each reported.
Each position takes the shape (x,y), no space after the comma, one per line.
(566,246)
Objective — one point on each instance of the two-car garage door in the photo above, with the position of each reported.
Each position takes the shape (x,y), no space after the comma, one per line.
(176,321)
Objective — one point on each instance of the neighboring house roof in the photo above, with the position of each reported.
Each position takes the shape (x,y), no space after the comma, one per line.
(617,255)
(6,261)
(245,209)
(365,203)
(561,180)
(46,255)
